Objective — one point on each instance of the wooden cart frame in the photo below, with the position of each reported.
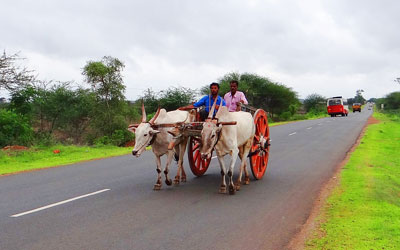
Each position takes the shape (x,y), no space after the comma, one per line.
(259,153)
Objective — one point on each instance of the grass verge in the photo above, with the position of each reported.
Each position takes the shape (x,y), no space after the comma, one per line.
(363,212)
(36,158)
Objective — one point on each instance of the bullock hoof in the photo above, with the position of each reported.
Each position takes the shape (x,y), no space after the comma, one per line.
(231,190)
(222,190)
(176,181)
(183,179)
(237,186)
(168,182)
(157,187)
(246,180)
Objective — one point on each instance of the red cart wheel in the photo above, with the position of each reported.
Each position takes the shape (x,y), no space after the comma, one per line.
(197,165)
(260,148)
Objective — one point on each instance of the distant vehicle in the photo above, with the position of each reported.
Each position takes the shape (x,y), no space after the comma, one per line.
(337,106)
(356,107)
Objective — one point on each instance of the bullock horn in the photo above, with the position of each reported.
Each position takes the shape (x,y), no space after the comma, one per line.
(144,118)
(210,114)
(155,116)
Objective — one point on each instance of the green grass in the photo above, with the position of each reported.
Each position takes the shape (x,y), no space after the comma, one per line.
(36,158)
(363,212)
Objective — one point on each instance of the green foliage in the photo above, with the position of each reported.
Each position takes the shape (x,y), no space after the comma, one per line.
(14,129)
(261,92)
(285,116)
(105,78)
(359,98)
(315,102)
(110,112)
(41,157)
(44,139)
(56,108)
(393,100)
(151,101)
(173,98)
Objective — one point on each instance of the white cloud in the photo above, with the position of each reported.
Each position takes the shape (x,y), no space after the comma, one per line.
(327,47)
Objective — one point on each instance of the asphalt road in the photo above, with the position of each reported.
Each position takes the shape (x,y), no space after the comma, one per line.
(110,204)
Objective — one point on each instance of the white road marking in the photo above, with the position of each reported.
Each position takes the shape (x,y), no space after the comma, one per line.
(293,133)
(214,157)
(309,128)
(58,203)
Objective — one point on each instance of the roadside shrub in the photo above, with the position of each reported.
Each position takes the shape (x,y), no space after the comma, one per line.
(104,140)
(14,129)
(120,137)
(297,117)
(393,100)
(315,102)
(44,139)
(285,116)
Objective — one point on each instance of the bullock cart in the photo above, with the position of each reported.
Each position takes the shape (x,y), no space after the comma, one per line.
(258,155)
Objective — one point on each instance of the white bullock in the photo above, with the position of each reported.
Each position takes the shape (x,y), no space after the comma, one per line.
(230,139)
(155,134)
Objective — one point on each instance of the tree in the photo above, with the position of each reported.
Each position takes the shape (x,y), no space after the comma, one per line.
(359,98)
(173,98)
(13,76)
(150,99)
(261,92)
(315,102)
(392,100)
(105,77)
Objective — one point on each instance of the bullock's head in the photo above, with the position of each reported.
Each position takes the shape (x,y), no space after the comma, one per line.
(144,133)
(209,137)
(209,134)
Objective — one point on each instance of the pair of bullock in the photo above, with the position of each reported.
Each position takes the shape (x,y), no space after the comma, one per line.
(235,140)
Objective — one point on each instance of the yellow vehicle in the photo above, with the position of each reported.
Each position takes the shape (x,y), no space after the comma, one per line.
(356,107)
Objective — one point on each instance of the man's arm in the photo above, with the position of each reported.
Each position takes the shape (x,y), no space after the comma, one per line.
(201,102)
(243,99)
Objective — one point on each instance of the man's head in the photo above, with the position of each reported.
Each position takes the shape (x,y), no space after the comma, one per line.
(214,88)
(234,86)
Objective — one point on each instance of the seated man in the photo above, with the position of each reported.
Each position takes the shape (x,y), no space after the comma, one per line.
(234,98)
(207,101)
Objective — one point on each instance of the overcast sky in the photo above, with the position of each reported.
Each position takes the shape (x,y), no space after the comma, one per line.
(331,47)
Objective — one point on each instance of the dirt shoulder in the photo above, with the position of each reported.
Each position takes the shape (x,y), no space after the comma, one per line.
(298,241)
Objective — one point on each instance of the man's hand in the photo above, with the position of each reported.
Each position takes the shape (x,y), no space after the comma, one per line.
(239,106)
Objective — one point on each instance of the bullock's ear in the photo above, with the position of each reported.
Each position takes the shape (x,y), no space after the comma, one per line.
(132,127)
(153,132)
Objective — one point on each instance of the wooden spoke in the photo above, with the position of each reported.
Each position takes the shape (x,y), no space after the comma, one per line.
(197,165)
(259,160)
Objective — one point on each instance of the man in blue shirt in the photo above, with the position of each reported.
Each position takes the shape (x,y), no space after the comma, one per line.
(208,101)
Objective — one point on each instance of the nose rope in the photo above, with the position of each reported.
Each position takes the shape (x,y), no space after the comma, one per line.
(150,143)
